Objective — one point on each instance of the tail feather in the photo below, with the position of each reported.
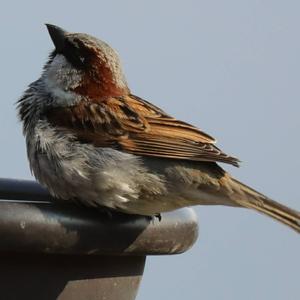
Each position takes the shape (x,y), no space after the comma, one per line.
(263,204)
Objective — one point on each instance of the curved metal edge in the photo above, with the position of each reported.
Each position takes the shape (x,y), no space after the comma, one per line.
(175,234)
(20,189)
(55,228)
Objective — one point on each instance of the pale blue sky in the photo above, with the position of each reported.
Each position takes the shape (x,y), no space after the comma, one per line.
(229,67)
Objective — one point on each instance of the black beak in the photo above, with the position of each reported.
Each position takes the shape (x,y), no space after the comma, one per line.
(58,36)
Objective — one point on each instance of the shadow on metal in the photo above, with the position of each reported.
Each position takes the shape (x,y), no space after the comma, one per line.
(51,250)
(49,277)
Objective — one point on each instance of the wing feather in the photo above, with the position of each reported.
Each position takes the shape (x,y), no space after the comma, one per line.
(136,126)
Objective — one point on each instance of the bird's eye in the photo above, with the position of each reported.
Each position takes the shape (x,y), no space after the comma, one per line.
(76,53)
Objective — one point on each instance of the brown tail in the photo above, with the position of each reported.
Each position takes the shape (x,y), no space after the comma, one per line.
(267,206)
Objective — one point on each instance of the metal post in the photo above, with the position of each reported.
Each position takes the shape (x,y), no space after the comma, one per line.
(50,250)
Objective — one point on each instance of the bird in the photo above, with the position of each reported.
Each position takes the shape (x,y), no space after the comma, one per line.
(89,139)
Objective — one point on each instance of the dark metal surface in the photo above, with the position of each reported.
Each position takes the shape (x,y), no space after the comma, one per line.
(33,226)
(56,228)
(18,189)
(67,277)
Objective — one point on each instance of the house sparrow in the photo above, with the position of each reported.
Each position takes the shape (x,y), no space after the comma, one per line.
(88,138)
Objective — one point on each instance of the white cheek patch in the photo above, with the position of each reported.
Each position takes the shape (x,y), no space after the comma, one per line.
(60,96)
(59,79)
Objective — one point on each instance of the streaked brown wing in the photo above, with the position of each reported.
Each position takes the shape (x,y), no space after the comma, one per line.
(136,126)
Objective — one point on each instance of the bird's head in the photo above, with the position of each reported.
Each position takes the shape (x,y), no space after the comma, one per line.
(82,66)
